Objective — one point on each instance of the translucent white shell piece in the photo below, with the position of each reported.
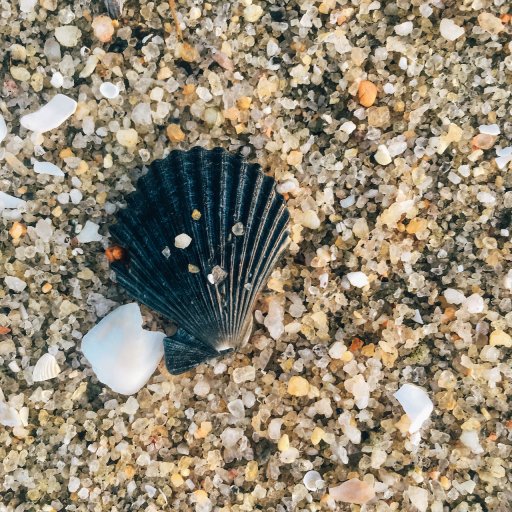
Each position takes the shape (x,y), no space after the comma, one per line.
(46,368)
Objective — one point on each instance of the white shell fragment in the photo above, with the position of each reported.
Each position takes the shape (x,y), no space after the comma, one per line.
(89,233)
(47,168)
(489,129)
(9,416)
(51,115)
(416,404)
(10,202)
(122,354)
(358,279)
(46,368)
(504,157)
(182,241)
(469,438)
(109,90)
(3,128)
(313,481)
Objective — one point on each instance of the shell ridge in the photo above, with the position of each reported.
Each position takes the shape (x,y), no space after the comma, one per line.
(189,192)
(249,231)
(254,231)
(277,239)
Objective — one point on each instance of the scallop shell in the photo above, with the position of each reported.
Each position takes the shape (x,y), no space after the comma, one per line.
(46,368)
(238,225)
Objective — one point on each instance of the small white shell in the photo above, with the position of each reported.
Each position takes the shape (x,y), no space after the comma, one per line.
(109,90)
(46,368)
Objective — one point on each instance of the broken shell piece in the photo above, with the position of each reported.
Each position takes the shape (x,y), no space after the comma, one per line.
(109,90)
(313,481)
(51,115)
(416,404)
(9,416)
(489,129)
(3,128)
(47,168)
(504,157)
(10,202)
(204,287)
(122,354)
(46,368)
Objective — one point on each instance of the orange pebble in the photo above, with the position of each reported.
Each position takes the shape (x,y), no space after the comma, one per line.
(115,253)
(356,344)
(367,93)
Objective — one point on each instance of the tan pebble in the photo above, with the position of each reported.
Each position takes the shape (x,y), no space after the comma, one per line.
(204,429)
(490,23)
(164,73)
(175,133)
(298,386)
(17,230)
(367,93)
(127,138)
(500,338)
(294,158)
(189,89)
(445,483)
(416,225)
(103,28)
(187,52)
(283,443)
(317,435)
(66,153)
(177,480)
(251,471)
(196,214)
(244,102)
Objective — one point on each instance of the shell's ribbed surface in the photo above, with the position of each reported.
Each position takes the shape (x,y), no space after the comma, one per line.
(226,190)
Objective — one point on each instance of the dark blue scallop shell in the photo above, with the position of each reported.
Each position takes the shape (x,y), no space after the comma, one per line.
(212,304)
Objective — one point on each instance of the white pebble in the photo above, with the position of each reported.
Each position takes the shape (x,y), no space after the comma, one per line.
(202,388)
(450,30)
(469,438)
(68,35)
(253,13)
(182,241)
(389,88)
(474,304)
(27,6)
(347,202)
(404,29)
(75,195)
(287,186)
(486,198)
(15,283)
(244,374)
(313,481)
(416,404)
(57,80)
(348,127)
(73,484)
(309,219)
(47,168)
(358,279)
(237,408)
(337,350)
(131,406)
(89,233)
(51,115)
(453,296)
(109,90)
(504,157)
(382,156)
